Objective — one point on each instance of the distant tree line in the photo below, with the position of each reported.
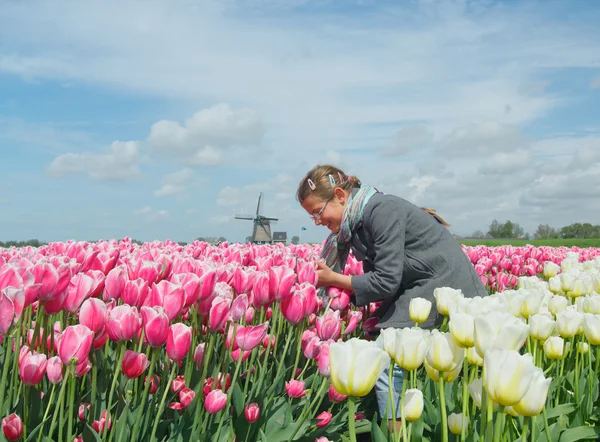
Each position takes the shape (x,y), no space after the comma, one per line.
(511,229)
(29,242)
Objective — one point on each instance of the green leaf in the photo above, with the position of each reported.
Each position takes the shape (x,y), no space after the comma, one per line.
(580,433)
(560,410)
(238,399)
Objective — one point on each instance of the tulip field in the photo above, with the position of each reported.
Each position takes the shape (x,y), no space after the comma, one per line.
(114,341)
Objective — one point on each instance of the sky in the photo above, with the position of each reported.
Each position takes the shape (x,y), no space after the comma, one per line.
(163,120)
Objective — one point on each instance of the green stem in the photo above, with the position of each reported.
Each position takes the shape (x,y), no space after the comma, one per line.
(576,379)
(144,397)
(402,414)
(443,409)
(299,332)
(47,410)
(5,366)
(465,399)
(36,332)
(15,366)
(94,386)
(490,419)
(390,398)
(525,429)
(351,423)
(120,355)
(162,402)
(546,427)
(205,361)
(61,395)
(72,411)
(499,424)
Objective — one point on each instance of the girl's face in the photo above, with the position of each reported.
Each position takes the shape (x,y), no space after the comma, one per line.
(327,213)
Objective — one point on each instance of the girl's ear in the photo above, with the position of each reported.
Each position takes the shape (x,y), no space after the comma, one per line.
(340,195)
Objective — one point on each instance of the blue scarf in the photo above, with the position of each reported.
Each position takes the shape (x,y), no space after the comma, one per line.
(337,245)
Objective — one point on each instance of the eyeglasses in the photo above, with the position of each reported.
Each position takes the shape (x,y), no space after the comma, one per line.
(317,216)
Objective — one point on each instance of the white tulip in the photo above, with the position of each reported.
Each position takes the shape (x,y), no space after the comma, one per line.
(568,323)
(499,330)
(419,309)
(462,327)
(507,375)
(557,304)
(355,366)
(582,285)
(567,279)
(387,340)
(455,422)
(476,391)
(554,347)
(532,302)
(446,298)
(554,284)
(447,376)
(591,304)
(541,326)
(534,400)
(583,348)
(413,404)
(473,357)
(443,354)
(591,328)
(411,344)
(550,269)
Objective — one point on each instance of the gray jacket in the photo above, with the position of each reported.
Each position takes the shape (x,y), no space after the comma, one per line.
(407,253)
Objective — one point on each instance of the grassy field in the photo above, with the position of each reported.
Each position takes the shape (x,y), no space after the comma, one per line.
(591,242)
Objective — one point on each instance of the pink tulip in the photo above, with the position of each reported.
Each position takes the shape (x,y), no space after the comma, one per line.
(186,396)
(354,318)
(11,306)
(179,341)
(78,439)
(323,361)
(100,339)
(312,347)
(114,284)
(322,439)
(10,277)
(84,408)
(252,412)
(98,425)
(147,270)
(191,284)
(292,308)
(295,389)
(247,338)
(54,370)
(199,355)
(82,367)
(12,426)
(123,323)
(307,272)
(323,419)
(329,325)
(156,326)
(46,275)
(239,306)
(281,280)
(250,315)
(218,314)
(80,288)
(334,396)
(208,281)
(236,354)
(260,289)
(135,292)
(98,282)
(93,314)
(215,401)
(167,295)
(75,343)
(340,302)
(134,364)
(241,281)
(32,368)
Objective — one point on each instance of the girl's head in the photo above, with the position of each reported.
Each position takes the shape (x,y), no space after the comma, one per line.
(324,193)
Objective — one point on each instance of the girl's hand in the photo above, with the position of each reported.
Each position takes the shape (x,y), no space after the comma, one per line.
(329,278)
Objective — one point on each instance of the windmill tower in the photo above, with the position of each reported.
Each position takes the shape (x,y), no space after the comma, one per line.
(261,232)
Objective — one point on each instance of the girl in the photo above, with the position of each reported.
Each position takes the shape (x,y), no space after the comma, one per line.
(406,252)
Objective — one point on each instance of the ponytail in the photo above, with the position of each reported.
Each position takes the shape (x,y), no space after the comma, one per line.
(437,217)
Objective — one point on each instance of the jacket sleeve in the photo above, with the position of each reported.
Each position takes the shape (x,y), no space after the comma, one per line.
(386,224)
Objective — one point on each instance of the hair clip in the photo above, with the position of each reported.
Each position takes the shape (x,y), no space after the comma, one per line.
(331,180)
(311,184)
(341,178)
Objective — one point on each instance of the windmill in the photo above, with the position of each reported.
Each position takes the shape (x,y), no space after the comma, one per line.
(261,233)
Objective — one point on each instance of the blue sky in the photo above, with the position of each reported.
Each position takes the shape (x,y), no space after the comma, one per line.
(163,121)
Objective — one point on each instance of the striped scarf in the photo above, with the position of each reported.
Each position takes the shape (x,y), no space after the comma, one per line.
(337,245)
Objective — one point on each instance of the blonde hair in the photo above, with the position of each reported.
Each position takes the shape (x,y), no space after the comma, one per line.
(433,213)
(321,181)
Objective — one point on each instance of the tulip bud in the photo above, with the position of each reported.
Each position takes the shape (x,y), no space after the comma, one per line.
(93,314)
(12,426)
(54,369)
(591,328)
(199,355)
(554,347)
(334,396)
(179,340)
(568,323)
(156,325)
(186,396)
(541,326)
(75,343)
(252,412)
(83,408)
(534,400)
(295,389)
(323,419)
(413,404)
(250,337)
(507,375)
(134,364)
(455,423)
(215,401)
(32,368)
(419,309)
(178,384)
(445,298)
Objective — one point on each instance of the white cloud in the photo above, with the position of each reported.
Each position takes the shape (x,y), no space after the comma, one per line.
(484,138)
(506,163)
(150,214)
(121,162)
(410,138)
(175,184)
(204,137)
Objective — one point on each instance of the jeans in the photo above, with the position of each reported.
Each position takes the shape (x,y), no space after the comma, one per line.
(382,390)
